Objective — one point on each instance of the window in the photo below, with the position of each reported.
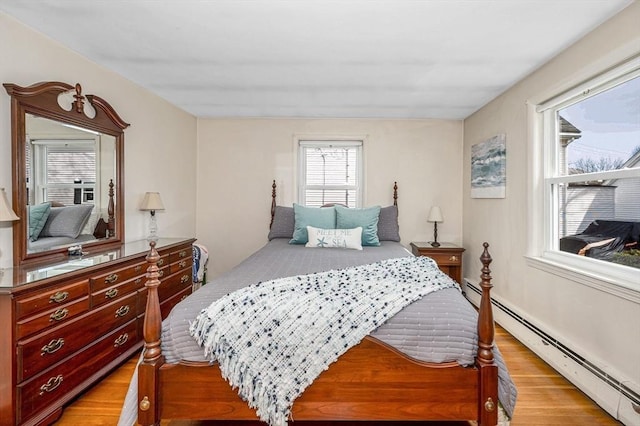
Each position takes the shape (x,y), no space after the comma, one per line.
(592,173)
(330,172)
(68,175)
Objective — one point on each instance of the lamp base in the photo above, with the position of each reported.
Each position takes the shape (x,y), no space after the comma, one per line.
(435,244)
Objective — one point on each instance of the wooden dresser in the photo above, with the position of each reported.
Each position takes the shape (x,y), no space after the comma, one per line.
(64,326)
(448,257)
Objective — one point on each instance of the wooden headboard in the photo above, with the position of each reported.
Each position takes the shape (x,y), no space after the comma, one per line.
(273,199)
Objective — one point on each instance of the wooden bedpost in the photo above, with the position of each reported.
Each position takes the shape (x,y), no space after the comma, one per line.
(395,193)
(152,358)
(488,370)
(273,202)
(111,219)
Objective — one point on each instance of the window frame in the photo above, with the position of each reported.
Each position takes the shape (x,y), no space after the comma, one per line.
(38,182)
(543,249)
(304,143)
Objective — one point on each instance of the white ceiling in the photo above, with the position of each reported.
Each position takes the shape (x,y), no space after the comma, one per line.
(319,58)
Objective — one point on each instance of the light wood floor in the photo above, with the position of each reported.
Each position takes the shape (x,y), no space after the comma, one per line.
(544,397)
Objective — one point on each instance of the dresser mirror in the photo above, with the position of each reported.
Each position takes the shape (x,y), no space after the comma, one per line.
(67,172)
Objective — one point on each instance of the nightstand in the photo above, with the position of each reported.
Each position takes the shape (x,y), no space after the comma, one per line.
(448,257)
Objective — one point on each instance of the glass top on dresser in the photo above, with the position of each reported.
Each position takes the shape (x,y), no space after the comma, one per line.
(11,277)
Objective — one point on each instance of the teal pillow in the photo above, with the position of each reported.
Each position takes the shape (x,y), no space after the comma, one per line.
(318,217)
(347,218)
(38,216)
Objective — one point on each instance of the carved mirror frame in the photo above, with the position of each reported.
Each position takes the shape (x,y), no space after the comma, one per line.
(41,99)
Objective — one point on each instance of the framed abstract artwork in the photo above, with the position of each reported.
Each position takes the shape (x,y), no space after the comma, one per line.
(489,168)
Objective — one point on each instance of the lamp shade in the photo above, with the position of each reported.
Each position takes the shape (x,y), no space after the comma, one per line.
(6,212)
(435,215)
(152,201)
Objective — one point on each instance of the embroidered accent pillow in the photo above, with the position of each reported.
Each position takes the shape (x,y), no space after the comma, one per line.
(335,238)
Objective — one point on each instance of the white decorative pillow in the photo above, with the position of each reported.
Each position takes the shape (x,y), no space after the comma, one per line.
(335,238)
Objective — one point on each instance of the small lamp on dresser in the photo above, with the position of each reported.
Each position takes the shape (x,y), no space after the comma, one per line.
(6,212)
(151,203)
(435,216)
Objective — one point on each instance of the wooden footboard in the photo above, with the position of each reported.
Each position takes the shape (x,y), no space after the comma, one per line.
(371,381)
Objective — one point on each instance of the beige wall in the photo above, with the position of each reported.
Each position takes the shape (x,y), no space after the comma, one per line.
(595,323)
(160,144)
(239,158)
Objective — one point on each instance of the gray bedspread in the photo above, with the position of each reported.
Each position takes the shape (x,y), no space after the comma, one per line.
(441,327)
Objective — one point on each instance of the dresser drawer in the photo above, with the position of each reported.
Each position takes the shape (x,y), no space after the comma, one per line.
(113,277)
(38,353)
(47,299)
(53,317)
(174,283)
(180,265)
(109,294)
(446,258)
(181,254)
(55,383)
(167,305)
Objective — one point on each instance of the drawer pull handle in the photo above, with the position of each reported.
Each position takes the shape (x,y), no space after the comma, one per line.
(59,297)
(111,278)
(59,315)
(160,273)
(183,253)
(182,263)
(184,279)
(122,311)
(160,262)
(51,384)
(183,297)
(138,280)
(138,268)
(145,404)
(111,293)
(53,346)
(121,340)
(453,258)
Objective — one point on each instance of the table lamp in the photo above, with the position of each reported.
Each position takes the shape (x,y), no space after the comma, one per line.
(151,203)
(435,216)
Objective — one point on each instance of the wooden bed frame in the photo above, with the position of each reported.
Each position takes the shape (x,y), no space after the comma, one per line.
(371,381)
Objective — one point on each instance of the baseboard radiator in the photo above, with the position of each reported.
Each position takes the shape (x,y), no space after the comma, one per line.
(615,384)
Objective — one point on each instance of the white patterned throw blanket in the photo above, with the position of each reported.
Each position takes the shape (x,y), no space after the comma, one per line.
(272,339)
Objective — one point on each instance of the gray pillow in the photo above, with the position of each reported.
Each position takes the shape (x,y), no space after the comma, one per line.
(283,223)
(66,221)
(388,228)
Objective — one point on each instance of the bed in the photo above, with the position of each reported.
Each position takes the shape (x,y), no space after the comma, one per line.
(433,360)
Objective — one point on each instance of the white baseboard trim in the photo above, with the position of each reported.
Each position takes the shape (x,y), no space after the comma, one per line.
(613,395)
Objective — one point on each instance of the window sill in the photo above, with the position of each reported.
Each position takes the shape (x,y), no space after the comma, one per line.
(619,280)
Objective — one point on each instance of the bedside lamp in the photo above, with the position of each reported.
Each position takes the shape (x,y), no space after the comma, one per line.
(151,203)
(435,216)
(6,212)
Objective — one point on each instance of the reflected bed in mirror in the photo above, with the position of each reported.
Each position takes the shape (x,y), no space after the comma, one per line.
(68,156)
(67,172)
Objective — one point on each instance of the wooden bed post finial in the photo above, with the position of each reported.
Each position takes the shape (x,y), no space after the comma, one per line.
(273,202)
(395,193)
(485,325)
(487,368)
(152,328)
(111,219)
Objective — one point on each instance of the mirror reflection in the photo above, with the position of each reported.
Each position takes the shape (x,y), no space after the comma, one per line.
(68,170)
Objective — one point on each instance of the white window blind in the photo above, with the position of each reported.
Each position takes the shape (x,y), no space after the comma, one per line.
(331,172)
(69,172)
